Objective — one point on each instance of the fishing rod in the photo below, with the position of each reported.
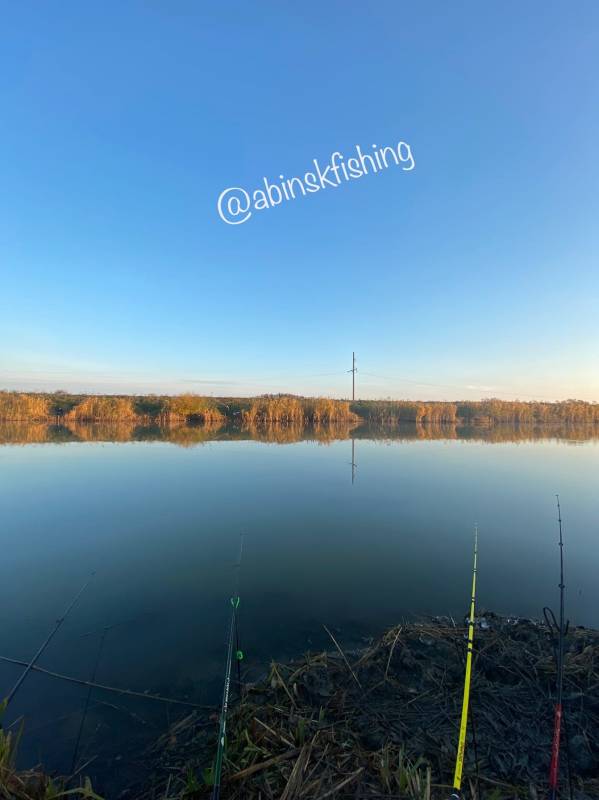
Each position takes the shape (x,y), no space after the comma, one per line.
(459,764)
(88,699)
(560,630)
(45,644)
(233,637)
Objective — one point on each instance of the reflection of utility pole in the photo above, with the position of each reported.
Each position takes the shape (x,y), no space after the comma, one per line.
(353,371)
(353,460)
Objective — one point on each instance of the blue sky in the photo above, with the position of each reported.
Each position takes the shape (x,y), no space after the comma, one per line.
(473,275)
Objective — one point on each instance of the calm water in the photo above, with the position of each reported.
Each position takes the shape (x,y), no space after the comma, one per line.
(160,525)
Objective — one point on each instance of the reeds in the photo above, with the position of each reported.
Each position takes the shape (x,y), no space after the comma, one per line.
(288,410)
(24,407)
(32,784)
(103,409)
(381,721)
(17,407)
(193,408)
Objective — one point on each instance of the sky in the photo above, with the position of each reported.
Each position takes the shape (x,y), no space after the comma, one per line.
(475,274)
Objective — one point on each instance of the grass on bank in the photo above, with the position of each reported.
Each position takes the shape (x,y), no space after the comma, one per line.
(382,721)
(32,784)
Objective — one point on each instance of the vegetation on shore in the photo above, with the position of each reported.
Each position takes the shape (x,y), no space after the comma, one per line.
(485,412)
(285,410)
(382,721)
(33,784)
(63,407)
(289,410)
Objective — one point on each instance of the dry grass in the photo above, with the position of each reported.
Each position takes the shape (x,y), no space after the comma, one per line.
(102,409)
(297,411)
(287,410)
(382,722)
(33,784)
(24,407)
(193,408)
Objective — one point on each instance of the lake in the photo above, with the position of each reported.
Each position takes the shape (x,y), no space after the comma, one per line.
(356,543)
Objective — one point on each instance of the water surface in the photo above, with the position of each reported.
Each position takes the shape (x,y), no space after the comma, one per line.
(355,547)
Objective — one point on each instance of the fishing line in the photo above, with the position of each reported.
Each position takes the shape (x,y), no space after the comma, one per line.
(102,687)
(459,765)
(493,392)
(45,644)
(233,637)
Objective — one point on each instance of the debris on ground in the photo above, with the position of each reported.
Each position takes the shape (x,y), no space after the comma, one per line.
(383,722)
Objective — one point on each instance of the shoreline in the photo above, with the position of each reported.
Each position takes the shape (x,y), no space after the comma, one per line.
(382,721)
(284,409)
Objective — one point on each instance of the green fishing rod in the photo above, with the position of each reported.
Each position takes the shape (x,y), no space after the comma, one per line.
(459,764)
(232,645)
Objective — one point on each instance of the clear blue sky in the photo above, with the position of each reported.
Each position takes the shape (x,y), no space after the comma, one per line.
(476,274)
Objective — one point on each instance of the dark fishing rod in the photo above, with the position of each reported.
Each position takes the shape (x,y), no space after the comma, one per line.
(232,644)
(88,699)
(560,629)
(45,644)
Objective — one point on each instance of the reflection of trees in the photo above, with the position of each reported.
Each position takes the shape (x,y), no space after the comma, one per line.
(109,431)
(25,432)
(274,434)
(568,432)
(481,433)
(286,434)
(185,435)
(332,432)
(188,435)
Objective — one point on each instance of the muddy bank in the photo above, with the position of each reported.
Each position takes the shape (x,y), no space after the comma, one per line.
(383,721)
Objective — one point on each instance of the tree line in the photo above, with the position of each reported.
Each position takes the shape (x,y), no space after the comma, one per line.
(283,409)
(485,412)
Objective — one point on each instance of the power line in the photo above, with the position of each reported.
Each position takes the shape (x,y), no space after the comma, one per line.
(454,386)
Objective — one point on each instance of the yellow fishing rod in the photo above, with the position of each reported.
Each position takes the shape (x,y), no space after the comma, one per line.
(459,763)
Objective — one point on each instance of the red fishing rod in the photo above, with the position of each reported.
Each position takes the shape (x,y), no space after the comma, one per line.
(560,630)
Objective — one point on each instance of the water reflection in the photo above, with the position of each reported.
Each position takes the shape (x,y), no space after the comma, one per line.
(189,435)
(354,466)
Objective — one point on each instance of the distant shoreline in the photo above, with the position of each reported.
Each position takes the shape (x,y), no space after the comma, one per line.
(284,410)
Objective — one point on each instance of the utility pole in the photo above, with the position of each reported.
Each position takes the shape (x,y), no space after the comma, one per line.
(353,371)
